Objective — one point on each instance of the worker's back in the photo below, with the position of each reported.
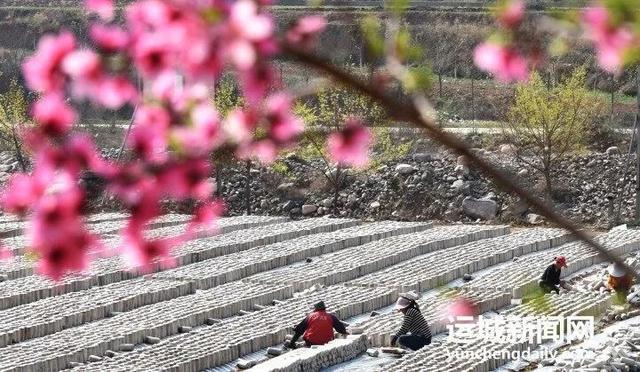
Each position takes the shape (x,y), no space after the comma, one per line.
(319,328)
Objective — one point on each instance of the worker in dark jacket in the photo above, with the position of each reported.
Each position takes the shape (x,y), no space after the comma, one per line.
(550,280)
(413,323)
(317,328)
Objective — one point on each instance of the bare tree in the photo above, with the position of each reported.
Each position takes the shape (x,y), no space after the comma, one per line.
(547,123)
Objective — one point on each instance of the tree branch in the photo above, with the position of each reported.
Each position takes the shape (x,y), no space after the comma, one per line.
(419,115)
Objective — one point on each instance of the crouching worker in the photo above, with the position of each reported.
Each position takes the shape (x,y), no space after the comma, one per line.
(317,328)
(413,323)
(550,280)
(619,280)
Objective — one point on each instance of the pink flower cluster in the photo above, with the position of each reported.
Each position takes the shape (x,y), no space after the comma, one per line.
(175,126)
(498,57)
(612,41)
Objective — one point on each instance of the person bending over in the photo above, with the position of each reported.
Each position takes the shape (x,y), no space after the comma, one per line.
(413,323)
(317,327)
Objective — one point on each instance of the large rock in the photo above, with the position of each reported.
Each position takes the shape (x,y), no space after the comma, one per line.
(422,157)
(613,150)
(308,209)
(405,169)
(508,149)
(480,208)
(534,219)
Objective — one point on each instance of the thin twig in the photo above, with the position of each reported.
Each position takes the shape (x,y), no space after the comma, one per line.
(420,115)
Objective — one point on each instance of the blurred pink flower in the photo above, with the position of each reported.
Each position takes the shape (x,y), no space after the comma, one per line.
(205,217)
(239,125)
(148,137)
(283,125)
(461,307)
(350,145)
(144,255)
(612,42)
(265,151)
(54,116)
(512,13)
(83,64)
(186,179)
(152,54)
(42,70)
(502,61)
(256,82)
(21,192)
(103,8)
(109,38)
(115,92)
(6,254)
(202,135)
(305,31)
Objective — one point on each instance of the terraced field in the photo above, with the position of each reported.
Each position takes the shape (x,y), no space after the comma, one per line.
(240,292)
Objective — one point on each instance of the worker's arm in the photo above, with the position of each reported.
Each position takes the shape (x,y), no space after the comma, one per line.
(338,325)
(298,331)
(546,276)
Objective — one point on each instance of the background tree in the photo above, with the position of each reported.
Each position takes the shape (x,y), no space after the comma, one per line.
(332,107)
(547,123)
(13,117)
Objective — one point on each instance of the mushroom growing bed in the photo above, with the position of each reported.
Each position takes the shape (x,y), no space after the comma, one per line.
(242,291)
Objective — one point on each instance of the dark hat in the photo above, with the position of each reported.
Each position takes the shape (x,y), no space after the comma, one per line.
(320,306)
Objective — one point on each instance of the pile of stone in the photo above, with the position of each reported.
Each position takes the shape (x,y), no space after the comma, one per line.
(236,266)
(228,340)
(441,267)
(349,264)
(435,186)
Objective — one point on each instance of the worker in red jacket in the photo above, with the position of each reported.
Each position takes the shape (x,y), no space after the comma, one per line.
(317,328)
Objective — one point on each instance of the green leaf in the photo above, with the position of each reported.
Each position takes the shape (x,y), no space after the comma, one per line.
(418,79)
(371,30)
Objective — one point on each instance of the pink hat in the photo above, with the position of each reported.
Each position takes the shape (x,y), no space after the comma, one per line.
(402,303)
(561,260)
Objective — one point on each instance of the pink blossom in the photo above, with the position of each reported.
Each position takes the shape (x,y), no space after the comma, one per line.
(203,133)
(115,92)
(148,137)
(109,38)
(350,145)
(83,64)
(283,125)
(502,61)
(187,179)
(256,82)
(511,14)
(239,125)
(57,232)
(206,216)
(144,254)
(103,8)
(612,42)
(265,151)
(461,307)
(53,114)
(22,192)
(42,70)
(6,254)
(306,30)
(247,23)
(152,54)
